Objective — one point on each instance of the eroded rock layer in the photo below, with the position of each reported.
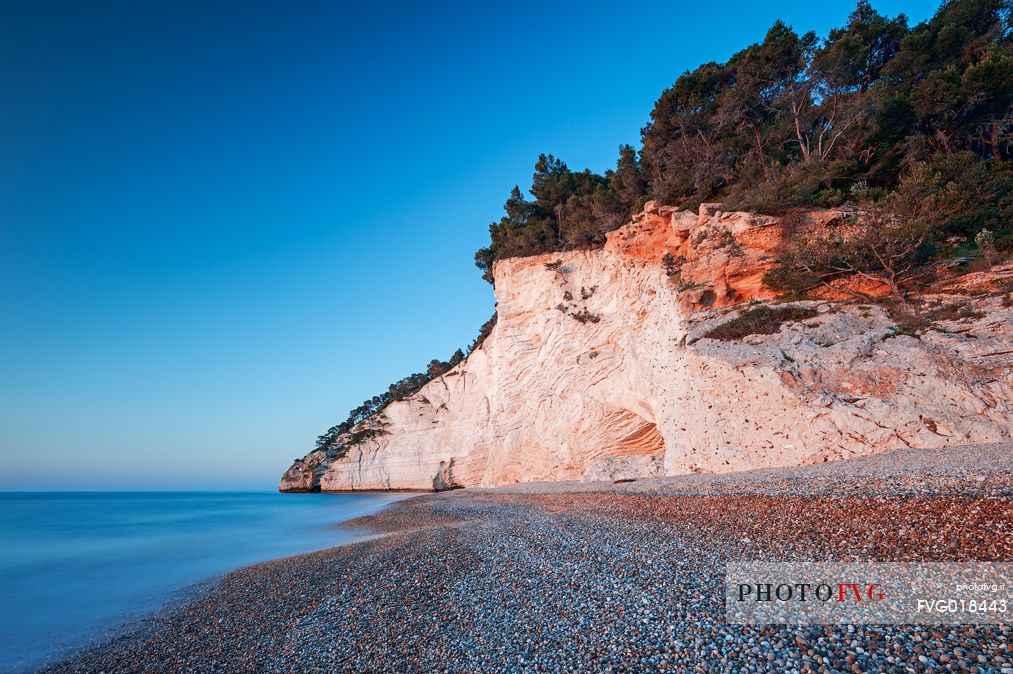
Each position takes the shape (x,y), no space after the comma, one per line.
(598,368)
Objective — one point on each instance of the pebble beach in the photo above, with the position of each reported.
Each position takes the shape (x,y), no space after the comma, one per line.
(575,577)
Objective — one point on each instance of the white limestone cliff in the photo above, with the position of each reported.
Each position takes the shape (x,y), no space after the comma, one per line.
(597,369)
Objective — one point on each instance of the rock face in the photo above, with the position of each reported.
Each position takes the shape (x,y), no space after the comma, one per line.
(598,368)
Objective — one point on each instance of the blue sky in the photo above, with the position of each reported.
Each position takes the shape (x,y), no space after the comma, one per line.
(222,225)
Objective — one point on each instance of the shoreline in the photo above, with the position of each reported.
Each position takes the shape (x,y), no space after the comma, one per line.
(137,557)
(606,577)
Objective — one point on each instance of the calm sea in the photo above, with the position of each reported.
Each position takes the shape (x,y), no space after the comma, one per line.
(74,566)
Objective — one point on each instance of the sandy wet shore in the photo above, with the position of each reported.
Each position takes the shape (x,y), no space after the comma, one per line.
(599,578)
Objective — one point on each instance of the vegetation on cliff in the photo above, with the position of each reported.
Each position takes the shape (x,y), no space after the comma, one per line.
(912,124)
(915,122)
(762,320)
(338,437)
(569,210)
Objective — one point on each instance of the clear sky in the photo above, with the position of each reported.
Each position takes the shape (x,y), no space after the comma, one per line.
(223,225)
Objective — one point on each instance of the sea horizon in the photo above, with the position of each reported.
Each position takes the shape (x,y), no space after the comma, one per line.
(144,491)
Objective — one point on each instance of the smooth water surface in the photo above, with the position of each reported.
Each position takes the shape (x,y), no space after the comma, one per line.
(75,565)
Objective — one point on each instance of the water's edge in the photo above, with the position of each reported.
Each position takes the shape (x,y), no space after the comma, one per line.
(107,629)
(181,599)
